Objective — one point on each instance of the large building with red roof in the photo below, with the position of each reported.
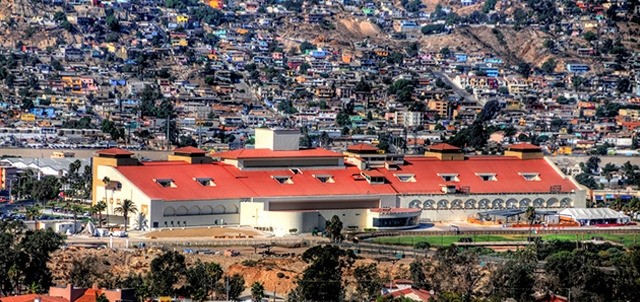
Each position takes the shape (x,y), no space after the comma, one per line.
(280,187)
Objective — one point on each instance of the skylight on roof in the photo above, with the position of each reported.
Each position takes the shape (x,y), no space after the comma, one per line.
(449,176)
(406,177)
(166,182)
(530,176)
(283,179)
(374,179)
(205,181)
(487,176)
(325,178)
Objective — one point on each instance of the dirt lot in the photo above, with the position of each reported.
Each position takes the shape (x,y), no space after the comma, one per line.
(204,232)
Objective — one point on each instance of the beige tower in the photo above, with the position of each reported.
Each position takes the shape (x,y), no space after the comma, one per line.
(113,157)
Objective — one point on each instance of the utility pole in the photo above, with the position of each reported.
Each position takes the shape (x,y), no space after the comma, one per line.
(226,279)
(168,121)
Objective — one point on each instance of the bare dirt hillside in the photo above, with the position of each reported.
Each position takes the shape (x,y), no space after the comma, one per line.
(525,45)
(348,31)
(253,267)
(19,10)
(21,21)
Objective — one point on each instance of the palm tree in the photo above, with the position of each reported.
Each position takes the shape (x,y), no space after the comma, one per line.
(125,208)
(33,213)
(106,180)
(97,209)
(530,214)
(257,291)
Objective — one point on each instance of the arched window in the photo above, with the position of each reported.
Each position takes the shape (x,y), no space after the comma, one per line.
(182,211)
(169,211)
(206,210)
(194,210)
(219,209)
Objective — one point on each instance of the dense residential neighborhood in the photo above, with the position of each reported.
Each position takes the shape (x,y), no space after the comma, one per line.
(319,150)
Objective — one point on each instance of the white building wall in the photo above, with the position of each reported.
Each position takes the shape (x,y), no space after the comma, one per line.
(127,191)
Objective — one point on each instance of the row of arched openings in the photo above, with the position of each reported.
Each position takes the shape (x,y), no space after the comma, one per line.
(485,203)
(196,210)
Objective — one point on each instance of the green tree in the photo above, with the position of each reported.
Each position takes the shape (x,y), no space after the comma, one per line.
(257,291)
(306,45)
(549,66)
(98,208)
(35,252)
(342,119)
(333,228)
(125,208)
(235,286)
(524,69)
(530,215)
(587,180)
(84,271)
(46,189)
(577,82)
(369,283)
(165,271)
(589,36)
(322,280)
(457,272)
(418,275)
(201,279)
(514,278)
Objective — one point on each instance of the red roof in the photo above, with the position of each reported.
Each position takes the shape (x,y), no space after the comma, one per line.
(114,151)
(409,292)
(505,168)
(233,183)
(89,295)
(268,153)
(189,150)
(523,146)
(443,147)
(362,147)
(31,297)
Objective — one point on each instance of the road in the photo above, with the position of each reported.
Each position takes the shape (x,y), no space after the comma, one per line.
(457,89)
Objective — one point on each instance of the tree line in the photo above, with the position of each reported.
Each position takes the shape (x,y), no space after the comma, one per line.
(23,258)
(585,271)
(168,275)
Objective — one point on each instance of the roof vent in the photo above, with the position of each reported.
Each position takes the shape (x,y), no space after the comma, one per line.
(324,178)
(166,183)
(283,179)
(205,181)
(406,177)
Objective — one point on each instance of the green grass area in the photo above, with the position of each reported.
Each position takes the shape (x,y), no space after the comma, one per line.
(626,239)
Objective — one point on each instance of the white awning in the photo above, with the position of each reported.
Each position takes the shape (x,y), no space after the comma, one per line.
(593,213)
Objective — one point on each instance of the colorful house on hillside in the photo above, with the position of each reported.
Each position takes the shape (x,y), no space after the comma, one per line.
(217,4)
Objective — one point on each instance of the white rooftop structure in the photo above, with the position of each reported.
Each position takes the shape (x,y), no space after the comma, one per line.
(591,216)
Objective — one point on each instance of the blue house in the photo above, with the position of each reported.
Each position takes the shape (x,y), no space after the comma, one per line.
(493,60)
(577,67)
(491,71)
(319,54)
(461,57)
